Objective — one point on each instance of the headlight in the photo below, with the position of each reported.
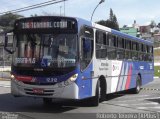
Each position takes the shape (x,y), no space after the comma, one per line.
(12,77)
(73,78)
(68,81)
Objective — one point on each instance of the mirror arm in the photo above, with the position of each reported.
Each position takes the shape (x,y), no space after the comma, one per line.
(9,51)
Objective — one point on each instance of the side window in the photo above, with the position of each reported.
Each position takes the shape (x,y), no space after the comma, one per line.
(128,44)
(112,40)
(128,53)
(86,48)
(120,49)
(145,52)
(120,42)
(141,54)
(134,50)
(86,52)
(101,44)
(150,53)
(144,48)
(112,54)
(134,46)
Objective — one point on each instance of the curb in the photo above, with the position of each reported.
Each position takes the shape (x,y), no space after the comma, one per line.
(4,79)
(150,89)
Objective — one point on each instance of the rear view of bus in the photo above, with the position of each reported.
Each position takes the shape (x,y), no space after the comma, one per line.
(45,58)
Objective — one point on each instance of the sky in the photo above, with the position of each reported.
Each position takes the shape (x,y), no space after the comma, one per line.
(126,11)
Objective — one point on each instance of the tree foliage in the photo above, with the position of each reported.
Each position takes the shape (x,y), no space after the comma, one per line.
(153,24)
(7,20)
(111,22)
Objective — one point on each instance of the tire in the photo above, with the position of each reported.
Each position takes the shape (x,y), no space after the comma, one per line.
(138,85)
(100,93)
(47,101)
(96,98)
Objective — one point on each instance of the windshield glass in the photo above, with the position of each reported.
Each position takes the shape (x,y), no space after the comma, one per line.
(46,50)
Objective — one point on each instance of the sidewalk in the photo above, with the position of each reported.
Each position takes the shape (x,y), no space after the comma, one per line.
(4,75)
(6,84)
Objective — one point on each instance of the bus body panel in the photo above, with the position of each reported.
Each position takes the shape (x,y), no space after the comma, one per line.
(84,82)
(120,75)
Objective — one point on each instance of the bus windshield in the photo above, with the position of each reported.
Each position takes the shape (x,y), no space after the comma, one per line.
(45,50)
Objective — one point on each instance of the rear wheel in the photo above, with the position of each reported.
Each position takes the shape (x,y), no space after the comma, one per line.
(138,85)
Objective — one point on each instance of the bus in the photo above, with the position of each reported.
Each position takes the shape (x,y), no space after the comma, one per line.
(57,57)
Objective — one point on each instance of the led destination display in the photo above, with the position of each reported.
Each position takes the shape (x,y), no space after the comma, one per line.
(34,25)
(47,23)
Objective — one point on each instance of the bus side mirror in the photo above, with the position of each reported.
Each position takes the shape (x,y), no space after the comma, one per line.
(8,36)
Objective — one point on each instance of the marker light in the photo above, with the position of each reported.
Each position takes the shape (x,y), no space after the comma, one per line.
(66,83)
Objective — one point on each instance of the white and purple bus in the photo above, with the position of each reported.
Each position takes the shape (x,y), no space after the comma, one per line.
(71,58)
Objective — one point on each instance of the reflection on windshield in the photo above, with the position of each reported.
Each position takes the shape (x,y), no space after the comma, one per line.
(46,50)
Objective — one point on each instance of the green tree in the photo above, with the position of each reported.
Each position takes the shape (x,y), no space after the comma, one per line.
(102,22)
(111,22)
(111,17)
(7,20)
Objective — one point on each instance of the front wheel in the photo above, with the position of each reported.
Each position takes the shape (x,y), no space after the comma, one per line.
(95,99)
(100,93)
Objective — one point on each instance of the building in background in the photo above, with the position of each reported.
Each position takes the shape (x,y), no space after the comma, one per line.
(5,57)
(132,30)
(129,30)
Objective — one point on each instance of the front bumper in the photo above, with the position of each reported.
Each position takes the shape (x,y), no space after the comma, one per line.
(58,90)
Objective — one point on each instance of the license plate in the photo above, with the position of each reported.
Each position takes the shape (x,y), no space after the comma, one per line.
(38,91)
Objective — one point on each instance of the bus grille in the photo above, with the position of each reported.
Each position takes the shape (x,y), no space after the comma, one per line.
(45,92)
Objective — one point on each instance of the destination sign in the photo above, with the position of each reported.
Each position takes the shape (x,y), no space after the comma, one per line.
(46,23)
(34,25)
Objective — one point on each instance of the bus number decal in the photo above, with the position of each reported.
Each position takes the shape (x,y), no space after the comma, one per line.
(52,80)
(25,60)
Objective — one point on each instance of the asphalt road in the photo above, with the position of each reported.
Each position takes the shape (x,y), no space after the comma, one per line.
(146,102)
